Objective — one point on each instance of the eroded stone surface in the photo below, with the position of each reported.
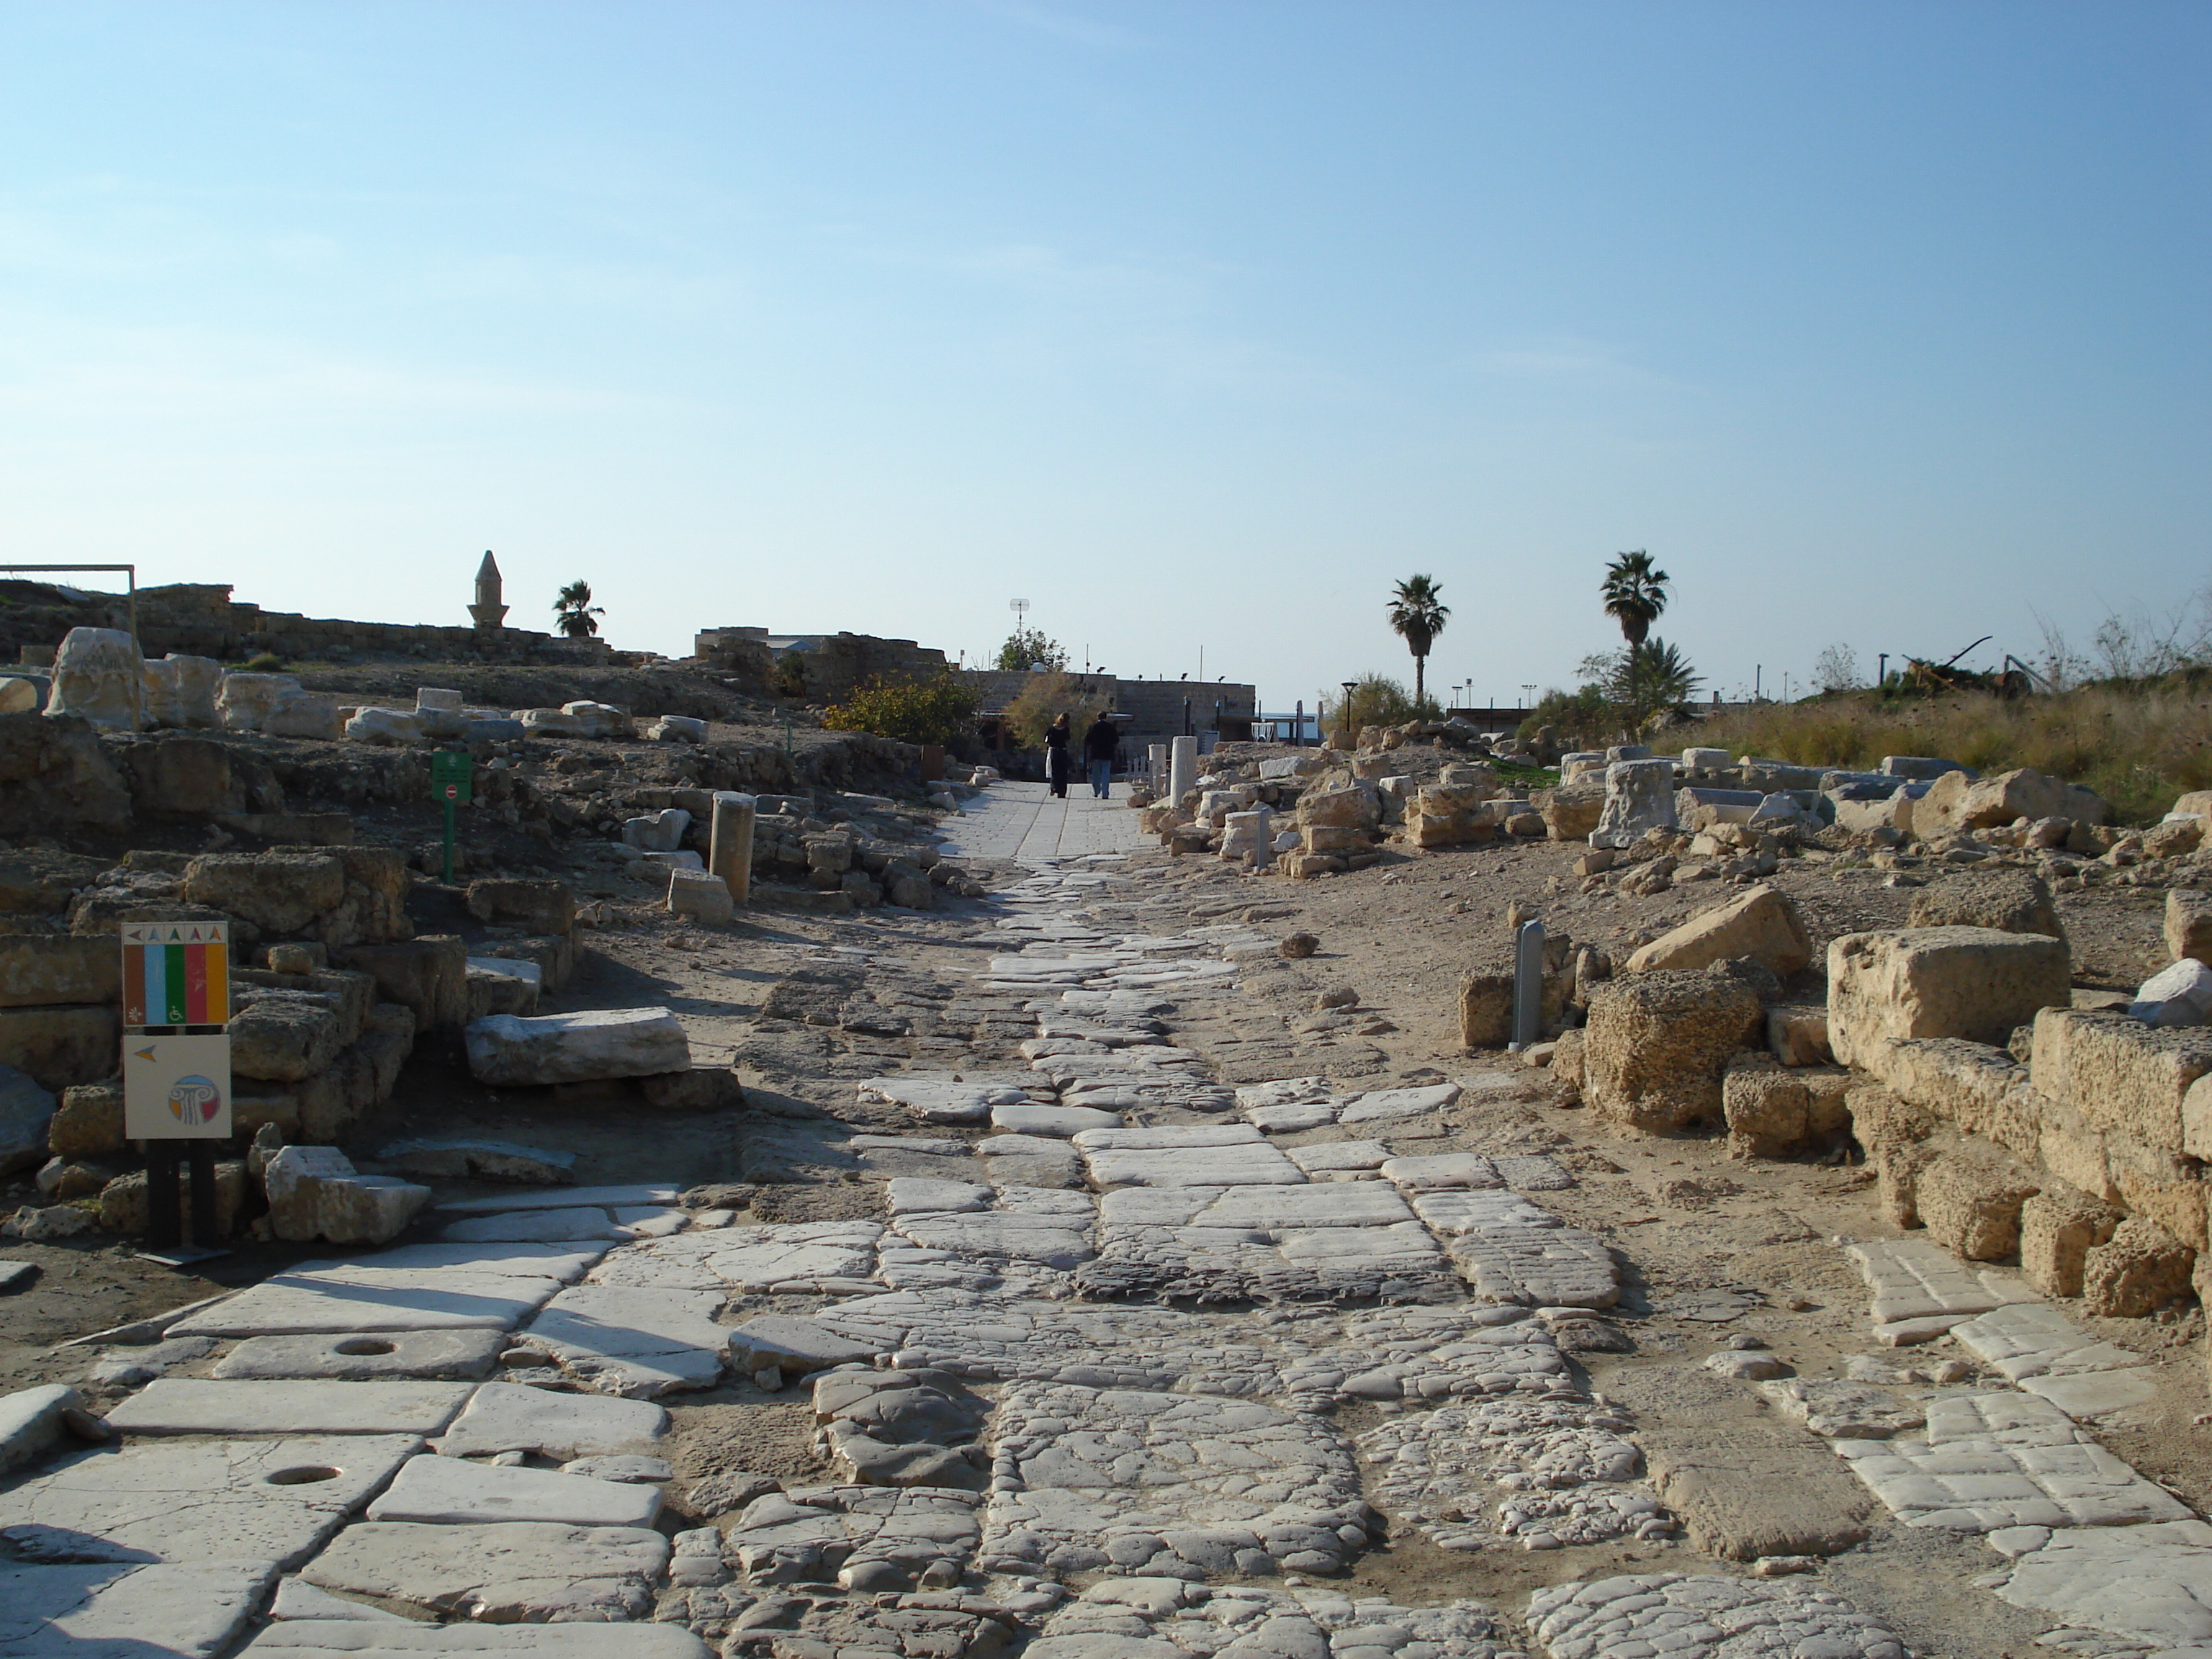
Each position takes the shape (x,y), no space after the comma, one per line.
(508,1572)
(1634,1617)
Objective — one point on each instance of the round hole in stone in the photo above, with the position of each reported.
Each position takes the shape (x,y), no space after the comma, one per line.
(356,1344)
(306,1474)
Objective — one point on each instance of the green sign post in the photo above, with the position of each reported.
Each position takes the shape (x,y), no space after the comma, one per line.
(450,771)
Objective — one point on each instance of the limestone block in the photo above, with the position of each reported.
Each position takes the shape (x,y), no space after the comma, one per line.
(543,907)
(26,1112)
(243,701)
(1955,801)
(2189,924)
(284,1037)
(1761,925)
(62,1045)
(1639,796)
(98,677)
(1571,812)
(386,726)
(549,723)
(578,1048)
(657,832)
(2179,993)
(2058,1228)
(181,692)
(600,720)
(428,976)
(1485,1007)
(1765,1104)
(89,1122)
(38,969)
(908,887)
(278,892)
(2010,900)
(1798,1036)
(1655,1043)
(1345,807)
(2136,1271)
(1335,838)
(2123,1076)
(704,897)
(495,989)
(315,1192)
(19,695)
(123,1206)
(302,714)
(1970,1200)
(1861,817)
(1972,982)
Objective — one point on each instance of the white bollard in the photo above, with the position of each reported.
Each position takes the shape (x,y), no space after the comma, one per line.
(1182,769)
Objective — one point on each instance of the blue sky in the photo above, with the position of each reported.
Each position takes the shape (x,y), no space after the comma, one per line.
(1196,325)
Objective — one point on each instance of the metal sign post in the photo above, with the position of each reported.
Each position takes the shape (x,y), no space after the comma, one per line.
(176,1072)
(451,772)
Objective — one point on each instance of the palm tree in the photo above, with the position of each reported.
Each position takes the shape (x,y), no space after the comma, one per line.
(1634,594)
(1418,618)
(576,613)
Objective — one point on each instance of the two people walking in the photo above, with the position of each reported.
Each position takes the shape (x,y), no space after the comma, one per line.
(1099,744)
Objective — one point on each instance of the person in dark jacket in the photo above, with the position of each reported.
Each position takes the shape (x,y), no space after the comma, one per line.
(1056,754)
(1098,745)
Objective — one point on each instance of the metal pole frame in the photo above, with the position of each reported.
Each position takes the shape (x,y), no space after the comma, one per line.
(130,604)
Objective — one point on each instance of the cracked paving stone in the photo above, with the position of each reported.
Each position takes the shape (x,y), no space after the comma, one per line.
(111,1609)
(507,1572)
(454,1490)
(631,1342)
(1429,1353)
(1166,1619)
(2151,1585)
(1849,1411)
(941,1100)
(190,1500)
(317,1638)
(1178,1485)
(510,1417)
(1635,1617)
(865,1537)
(1994,1460)
(383,1296)
(737,1260)
(1539,1473)
(1912,1279)
(1510,1250)
(355,1357)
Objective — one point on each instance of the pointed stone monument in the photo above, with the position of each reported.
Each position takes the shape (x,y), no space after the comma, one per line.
(488,611)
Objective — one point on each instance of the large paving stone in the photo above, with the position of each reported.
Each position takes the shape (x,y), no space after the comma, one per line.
(1534,1472)
(373,1297)
(866,1538)
(1203,1155)
(459,1355)
(1425,1353)
(635,1343)
(129,1609)
(183,1405)
(191,1500)
(796,1255)
(1634,1617)
(316,1638)
(562,1198)
(1167,1619)
(508,1417)
(507,1572)
(1123,1481)
(1510,1250)
(2149,1584)
(1988,1461)
(456,1492)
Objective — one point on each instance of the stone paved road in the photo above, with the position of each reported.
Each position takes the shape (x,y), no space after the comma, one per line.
(1023,823)
(1087,1379)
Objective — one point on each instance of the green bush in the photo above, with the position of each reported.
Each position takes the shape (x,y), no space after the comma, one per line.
(931,710)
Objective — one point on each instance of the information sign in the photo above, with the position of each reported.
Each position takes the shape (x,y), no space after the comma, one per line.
(176,1088)
(451,774)
(176,974)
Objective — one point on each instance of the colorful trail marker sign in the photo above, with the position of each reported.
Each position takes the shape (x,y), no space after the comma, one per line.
(452,777)
(176,973)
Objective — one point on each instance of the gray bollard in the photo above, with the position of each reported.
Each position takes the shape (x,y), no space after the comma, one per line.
(730,843)
(1528,987)
(1155,756)
(1263,850)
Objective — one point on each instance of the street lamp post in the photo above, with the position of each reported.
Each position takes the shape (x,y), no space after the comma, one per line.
(1344,716)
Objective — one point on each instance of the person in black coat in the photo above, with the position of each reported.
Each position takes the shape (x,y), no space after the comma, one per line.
(1099,744)
(1056,754)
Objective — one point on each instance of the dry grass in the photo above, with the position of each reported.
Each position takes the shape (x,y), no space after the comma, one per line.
(2138,750)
